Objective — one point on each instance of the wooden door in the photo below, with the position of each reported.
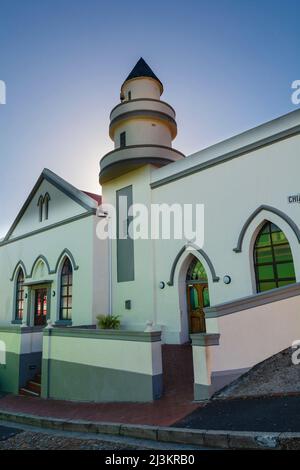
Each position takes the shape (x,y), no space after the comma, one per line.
(198,299)
(40,308)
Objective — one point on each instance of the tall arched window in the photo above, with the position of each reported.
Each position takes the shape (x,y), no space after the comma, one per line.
(66,286)
(19,310)
(273,260)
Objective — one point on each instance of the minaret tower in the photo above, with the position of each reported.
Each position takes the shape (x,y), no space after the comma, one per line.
(141,126)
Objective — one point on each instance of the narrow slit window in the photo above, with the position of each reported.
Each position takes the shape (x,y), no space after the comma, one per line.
(66,291)
(123,139)
(20,296)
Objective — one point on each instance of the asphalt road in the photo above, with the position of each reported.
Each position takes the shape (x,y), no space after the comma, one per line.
(7,433)
(275,414)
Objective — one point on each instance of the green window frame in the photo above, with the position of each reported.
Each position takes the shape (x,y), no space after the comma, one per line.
(273,259)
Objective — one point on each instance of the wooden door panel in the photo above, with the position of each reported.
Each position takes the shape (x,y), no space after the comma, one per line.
(197,300)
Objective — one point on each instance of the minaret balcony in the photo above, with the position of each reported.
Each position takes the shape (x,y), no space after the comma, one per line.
(125,159)
(142,104)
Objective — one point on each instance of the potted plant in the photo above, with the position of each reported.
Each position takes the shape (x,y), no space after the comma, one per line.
(109,322)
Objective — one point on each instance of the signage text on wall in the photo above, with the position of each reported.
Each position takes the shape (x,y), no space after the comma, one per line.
(294,198)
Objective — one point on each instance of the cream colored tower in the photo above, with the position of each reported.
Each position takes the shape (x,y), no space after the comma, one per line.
(141,126)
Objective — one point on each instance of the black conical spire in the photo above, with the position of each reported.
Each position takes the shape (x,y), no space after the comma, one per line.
(142,69)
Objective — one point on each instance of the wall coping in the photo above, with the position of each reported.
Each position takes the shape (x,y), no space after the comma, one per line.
(117,335)
(18,328)
(246,303)
(205,339)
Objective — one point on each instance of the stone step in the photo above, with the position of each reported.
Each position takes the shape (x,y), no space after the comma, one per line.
(28,393)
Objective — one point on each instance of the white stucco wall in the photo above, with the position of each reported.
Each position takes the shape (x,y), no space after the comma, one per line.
(143,132)
(31,239)
(142,87)
(60,208)
(250,336)
(230,192)
(141,290)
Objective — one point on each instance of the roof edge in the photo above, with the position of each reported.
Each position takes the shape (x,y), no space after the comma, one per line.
(78,196)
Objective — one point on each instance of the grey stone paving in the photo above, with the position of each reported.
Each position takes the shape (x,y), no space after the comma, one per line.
(29,440)
(24,437)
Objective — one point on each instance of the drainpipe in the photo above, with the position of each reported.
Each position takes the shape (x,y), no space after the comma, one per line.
(49,327)
(109,266)
(109,231)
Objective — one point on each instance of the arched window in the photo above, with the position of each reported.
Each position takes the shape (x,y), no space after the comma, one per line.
(196,272)
(66,286)
(19,296)
(273,260)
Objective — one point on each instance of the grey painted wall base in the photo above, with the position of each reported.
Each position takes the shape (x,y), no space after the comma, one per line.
(19,368)
(9,373)
(81,382)
(221,379)
(202,392)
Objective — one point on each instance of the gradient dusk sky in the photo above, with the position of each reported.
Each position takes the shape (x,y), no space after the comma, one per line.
(227,66)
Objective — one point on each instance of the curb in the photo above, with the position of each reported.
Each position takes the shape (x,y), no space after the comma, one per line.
(208,438)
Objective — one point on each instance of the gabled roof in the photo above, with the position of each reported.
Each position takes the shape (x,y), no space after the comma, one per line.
(85,200)
(142,69)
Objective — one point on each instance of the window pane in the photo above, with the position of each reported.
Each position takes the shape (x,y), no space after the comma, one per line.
(65,280)
(194,298)
(206,301)
(285,283)
(283,253)
(278,237)
(264,255)
(274,264)
(64,291)
(267,286)
(196,272)
(266,272)
(286,270)
(263,240)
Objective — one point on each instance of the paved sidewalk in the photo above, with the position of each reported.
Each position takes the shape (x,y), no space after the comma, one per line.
(163,412)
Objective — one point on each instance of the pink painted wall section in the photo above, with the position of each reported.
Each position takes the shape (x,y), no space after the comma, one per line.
(250,336)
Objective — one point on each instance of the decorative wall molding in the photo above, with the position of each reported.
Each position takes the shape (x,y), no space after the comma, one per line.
(252,301)
(215,278)
(273,210)
(205,339)
(39,258)
(19,265)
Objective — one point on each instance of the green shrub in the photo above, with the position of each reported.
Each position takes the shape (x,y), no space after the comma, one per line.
(109,322)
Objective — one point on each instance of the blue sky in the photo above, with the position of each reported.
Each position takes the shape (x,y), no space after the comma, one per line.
(227,65)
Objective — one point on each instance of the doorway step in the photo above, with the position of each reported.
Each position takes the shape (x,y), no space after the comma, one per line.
(178,374)
(33,387)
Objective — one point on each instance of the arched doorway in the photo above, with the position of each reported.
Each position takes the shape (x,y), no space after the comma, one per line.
(197,296)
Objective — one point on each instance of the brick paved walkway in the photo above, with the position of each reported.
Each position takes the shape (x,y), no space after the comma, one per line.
(174,406)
